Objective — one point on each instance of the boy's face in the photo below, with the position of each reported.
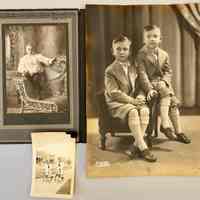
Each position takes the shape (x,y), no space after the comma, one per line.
(29,49)
(121,51)
(152,38)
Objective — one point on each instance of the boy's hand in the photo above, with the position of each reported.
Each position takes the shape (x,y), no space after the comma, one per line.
(141,97)
(151,94)
(138,101)
(52,60)
(162,84)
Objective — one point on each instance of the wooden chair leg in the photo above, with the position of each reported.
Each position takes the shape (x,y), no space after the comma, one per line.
(22,107)
(156,127)
(154,118)
(152,130)
(102,140)
(148,140)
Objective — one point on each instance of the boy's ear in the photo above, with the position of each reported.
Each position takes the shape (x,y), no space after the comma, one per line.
(111,49)
(130,49)
(160,39)
(143,40)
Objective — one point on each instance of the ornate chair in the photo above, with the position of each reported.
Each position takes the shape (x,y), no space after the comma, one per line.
(30,104)
(108,124)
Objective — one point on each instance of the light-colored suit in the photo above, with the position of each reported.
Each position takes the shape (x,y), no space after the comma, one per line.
(120,89)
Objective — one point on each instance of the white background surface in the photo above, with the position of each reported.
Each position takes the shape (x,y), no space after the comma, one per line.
(15,160)
(15,181)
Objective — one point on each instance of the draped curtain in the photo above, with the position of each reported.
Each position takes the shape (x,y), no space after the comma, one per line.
(180,38)
(190,13)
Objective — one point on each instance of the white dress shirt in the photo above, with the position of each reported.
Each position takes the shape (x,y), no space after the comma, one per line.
(32,64)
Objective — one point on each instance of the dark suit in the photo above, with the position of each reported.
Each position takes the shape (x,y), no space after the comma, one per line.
(152,69)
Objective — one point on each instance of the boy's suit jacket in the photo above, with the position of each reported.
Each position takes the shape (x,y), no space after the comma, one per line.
(151,69)
(119,88)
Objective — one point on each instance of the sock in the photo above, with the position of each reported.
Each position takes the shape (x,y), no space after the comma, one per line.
(164,111)
(134,125)
(144,119)
(175,119)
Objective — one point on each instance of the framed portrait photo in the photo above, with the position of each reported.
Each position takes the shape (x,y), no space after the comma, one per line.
(38,73)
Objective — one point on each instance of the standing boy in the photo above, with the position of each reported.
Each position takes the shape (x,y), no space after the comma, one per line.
(32,67)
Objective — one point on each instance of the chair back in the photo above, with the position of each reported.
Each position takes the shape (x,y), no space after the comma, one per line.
(21,89)
(102,105)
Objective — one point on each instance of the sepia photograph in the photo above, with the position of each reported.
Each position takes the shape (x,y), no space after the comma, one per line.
(53,165)
(36,68)
(142,70)
(39,72)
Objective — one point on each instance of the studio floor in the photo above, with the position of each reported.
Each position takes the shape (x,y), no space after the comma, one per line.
(173,158)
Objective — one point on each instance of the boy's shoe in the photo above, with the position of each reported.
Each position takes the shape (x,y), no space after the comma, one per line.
(168,132)
(133,152)
(147,155)
(181,137)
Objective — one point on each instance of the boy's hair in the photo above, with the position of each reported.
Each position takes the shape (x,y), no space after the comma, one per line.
(28,45)
(150,28)
(121,38)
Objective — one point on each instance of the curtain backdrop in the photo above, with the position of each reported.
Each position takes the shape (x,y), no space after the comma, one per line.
(190,13)
(178,39)
(49,40)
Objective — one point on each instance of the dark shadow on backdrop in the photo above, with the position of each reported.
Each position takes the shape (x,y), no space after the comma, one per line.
(103,23)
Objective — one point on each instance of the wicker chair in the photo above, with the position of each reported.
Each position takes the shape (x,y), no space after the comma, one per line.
(29,104)
(108,124)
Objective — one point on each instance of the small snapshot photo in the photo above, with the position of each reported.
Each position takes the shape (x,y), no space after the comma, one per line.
(36,68)
(53,169)
(143,90)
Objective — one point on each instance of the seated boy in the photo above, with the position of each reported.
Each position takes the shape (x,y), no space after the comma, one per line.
(120,79)
(155,73)
(32,67)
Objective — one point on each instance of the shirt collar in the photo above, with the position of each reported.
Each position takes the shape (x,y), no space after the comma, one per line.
(155,51)
(124,64)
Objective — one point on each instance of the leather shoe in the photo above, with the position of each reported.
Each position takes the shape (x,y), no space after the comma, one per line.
(147,155)
(181,137)
(133,152)
(168,132)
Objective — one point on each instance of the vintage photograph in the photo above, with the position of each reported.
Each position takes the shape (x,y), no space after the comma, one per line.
(142,68)
(39,72)
(37,62)
(53,165)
